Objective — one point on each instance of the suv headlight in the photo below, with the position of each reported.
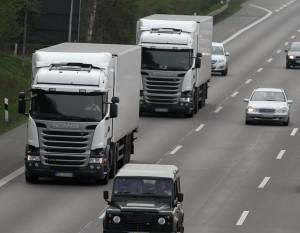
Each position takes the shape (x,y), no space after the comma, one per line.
(161,221)
(116,219)
(291,56)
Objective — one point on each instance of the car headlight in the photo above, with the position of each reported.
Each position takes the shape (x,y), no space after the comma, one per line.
(251,109)
(161,221)
(291,56)
(117,219)
(282,110)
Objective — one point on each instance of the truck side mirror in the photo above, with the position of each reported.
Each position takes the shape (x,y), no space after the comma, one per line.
(105,195)
(22,103)
(198,62)
(115,99)
(113,110)
(180,197)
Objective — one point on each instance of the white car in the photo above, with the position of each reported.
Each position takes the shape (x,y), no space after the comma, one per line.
(268,104)
(219,59)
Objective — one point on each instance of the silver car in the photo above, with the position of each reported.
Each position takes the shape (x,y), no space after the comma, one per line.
(219,59)
(268,104)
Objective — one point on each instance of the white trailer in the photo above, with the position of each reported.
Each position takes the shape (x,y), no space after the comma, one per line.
(174,78)
(84,110)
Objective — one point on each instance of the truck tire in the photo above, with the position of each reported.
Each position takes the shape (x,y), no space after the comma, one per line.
(114,160)
(31,179)
(196,100)
(102,181)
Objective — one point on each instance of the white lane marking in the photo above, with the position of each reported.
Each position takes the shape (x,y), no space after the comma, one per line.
(286,43)
(293,36)
(234,94)
(199,127)
(260,69)
(249,26)
(248,81)
(281,153)
(264,182)
(242,218)
(175,150)
(298,30)
(294,131)
(270,59)
(102,215)
(278,51)
(11,176)
(218,109)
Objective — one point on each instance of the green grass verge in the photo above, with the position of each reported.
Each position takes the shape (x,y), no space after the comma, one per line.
(15,76)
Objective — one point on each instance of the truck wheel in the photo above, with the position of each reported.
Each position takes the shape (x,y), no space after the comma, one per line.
(31,179)
(196,101)
(114,155)
(102,181)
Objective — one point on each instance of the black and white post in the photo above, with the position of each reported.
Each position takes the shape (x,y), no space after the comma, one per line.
(6,109)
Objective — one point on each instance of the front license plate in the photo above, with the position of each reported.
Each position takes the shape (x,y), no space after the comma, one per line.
(267,115)
(160,110)
(63,174)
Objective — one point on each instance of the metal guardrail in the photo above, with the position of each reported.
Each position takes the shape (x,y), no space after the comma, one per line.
(221,10)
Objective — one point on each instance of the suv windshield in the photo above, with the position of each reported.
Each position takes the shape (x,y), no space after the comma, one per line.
(147,187)
(68,107)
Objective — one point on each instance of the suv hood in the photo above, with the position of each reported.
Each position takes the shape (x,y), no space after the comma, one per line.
(143,206)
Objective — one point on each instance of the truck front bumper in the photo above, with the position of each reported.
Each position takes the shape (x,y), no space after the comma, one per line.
(181,107)
(37,169)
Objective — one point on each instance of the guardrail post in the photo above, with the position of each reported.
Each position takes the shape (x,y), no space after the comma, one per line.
(6,109)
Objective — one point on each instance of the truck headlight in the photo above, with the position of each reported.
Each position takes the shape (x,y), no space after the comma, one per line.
(117,219)
(161,221)
(33,158)
(185,99)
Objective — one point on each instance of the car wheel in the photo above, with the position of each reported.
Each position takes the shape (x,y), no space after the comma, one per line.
(248,122)
(224,72)
(286,123)
(287,65)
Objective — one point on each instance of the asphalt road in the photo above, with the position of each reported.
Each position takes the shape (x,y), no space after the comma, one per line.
(235,177)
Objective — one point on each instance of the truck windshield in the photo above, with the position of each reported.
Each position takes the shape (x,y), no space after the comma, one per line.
(68,107)
(172,60)
(146,187)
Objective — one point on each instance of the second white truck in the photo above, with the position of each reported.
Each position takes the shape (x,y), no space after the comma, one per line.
(84,110)
(176,62)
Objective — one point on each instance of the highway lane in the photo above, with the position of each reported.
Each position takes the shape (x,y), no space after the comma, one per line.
(218,158)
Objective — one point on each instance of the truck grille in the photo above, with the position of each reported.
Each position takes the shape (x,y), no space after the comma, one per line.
(162,87)
(64,147)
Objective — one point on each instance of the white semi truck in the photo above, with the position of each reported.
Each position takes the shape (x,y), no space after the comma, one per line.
(176,62)
(84,110)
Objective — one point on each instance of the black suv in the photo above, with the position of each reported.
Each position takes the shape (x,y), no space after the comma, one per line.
(145,198)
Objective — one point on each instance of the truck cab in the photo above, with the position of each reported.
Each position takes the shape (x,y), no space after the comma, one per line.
(145,198)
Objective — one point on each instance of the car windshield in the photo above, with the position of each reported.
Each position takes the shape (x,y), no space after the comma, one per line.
(148,187)
(268,96)
(295,47)
(217,50)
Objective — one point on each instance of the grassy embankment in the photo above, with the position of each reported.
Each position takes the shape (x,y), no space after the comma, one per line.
(14,78)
